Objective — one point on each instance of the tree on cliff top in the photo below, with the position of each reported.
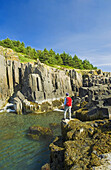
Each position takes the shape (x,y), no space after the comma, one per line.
(47,57)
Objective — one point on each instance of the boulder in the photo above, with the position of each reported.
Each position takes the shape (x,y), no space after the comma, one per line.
(37,132)
(45,167)
(20,96)
(18,101)
(17,105)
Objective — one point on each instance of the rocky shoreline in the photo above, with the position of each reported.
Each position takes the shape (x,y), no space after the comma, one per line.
(36,87)
(83,145)
(26,85)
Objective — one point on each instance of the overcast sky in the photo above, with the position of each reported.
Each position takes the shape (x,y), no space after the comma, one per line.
(81,27)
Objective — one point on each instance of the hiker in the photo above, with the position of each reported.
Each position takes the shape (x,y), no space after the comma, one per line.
(67,105)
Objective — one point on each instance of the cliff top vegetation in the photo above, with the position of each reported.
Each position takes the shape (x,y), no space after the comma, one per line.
(28,54)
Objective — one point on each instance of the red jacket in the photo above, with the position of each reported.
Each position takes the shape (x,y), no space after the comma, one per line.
(68,101)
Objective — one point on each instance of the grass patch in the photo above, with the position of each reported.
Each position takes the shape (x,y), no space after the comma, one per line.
(24,59)
(60,67)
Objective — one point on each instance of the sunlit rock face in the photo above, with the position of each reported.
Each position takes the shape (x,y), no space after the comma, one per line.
(83,145)
(37,82)
(3,81)
(40,83)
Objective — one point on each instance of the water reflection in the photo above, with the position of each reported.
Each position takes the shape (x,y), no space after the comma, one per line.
(17,151)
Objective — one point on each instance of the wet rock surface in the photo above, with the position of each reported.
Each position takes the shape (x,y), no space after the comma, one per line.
(45,167)
(57,154)
(54,125)
(83,145)
(37,132)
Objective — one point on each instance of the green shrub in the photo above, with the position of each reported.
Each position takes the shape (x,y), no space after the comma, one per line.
(47,57)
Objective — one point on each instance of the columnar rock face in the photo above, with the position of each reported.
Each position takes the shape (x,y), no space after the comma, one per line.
(100,78)
(37,82)
(4,83)
(40,82)
(98,102)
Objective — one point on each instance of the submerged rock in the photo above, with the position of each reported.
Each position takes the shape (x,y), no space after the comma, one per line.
(54,125)
(36,132)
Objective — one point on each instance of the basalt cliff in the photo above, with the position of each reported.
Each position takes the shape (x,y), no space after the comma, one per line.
(34,82)
(29,84)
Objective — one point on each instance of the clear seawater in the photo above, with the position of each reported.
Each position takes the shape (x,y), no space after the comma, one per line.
(17,150)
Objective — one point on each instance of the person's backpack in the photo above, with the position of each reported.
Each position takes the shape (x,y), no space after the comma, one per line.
(68,101)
